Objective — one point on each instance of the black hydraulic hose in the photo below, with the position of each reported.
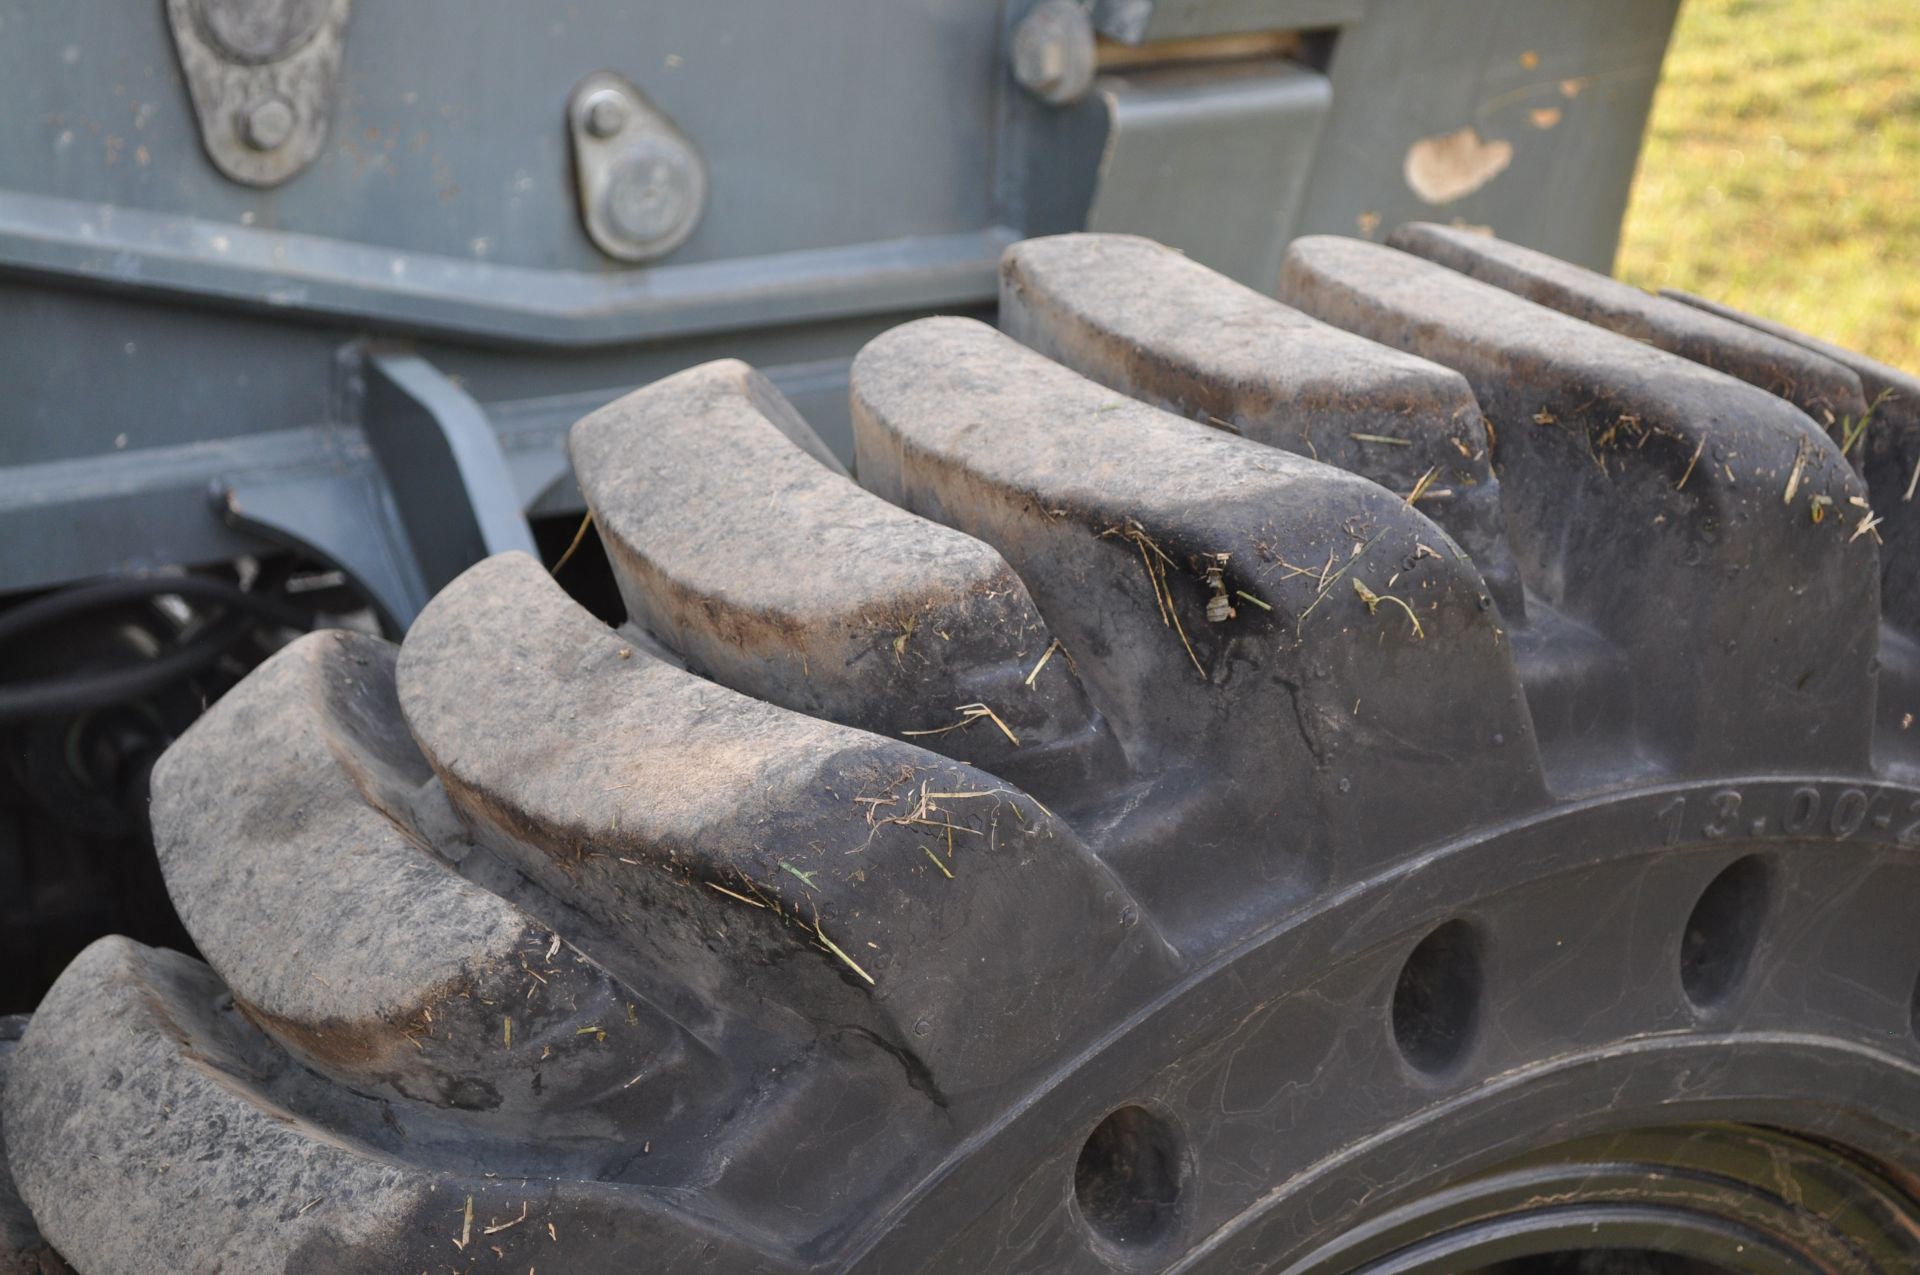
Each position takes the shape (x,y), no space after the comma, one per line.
(78,692)
(92,597)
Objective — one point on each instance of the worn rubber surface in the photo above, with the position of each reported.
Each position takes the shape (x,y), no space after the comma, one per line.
(22,1249)
(1412,771)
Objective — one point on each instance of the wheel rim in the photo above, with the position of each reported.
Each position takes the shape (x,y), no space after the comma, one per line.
(1621,1045)
(1692,1199)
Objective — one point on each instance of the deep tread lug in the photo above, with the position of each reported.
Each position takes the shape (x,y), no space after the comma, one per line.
(23,1250)
(151,1131)
(1081,490)
(1648,498)
(1890,448)
(1815,383)
(781,578)
(759,855)
(1148,321)
(285,824)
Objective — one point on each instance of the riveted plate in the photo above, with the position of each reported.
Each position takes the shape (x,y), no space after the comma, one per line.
(261,75)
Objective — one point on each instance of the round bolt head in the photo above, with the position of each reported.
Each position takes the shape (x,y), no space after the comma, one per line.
(650,192)
(1053,52)
(255,32)
(266,125)
(606,113)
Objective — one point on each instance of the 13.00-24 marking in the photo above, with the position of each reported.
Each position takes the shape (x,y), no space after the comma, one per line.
(1806,810)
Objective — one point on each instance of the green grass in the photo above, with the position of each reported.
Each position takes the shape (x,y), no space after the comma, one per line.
(1781,172)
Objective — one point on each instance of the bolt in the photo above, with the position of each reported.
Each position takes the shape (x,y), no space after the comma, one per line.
(267,123)
(1053,54)
(606,113)
(650,191)
(255,32)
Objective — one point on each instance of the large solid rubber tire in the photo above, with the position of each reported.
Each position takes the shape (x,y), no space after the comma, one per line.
(1418,777)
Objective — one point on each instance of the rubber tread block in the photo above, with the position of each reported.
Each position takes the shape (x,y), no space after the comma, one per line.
(1147,321)
(785,580)
(1710,530)
(763,857)
(1818,385)
(1226,602)
(283,824)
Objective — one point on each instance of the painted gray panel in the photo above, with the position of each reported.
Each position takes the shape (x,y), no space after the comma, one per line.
(1565,83)
(1176,138)
(449,135)
(163,329)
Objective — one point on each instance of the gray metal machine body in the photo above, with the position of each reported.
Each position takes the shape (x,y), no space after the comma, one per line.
(335,275)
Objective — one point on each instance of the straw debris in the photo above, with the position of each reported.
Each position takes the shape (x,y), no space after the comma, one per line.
(498,1227)
(1852,431)
(1156,562)
(1044,657)
(1375,600)
(969,714)
(833,947)
(466,1228)
(1330,577)
(1694,460)
(578,536)
(1799,468)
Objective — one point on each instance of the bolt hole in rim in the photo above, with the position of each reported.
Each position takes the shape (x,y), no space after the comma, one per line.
(1718,1225)
(1808,1045)
(1434,1013)
(1436,998)
(1728,1217)
(1128,1179)
(1722,932)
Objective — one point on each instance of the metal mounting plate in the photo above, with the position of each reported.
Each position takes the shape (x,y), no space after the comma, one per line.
(642,183)
(261,75)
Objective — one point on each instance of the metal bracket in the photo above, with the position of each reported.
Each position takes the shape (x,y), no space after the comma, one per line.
(261,75)
(643,185)
(1138,21)
(444,463)
(1245,135)
(437,497)
(347,520)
